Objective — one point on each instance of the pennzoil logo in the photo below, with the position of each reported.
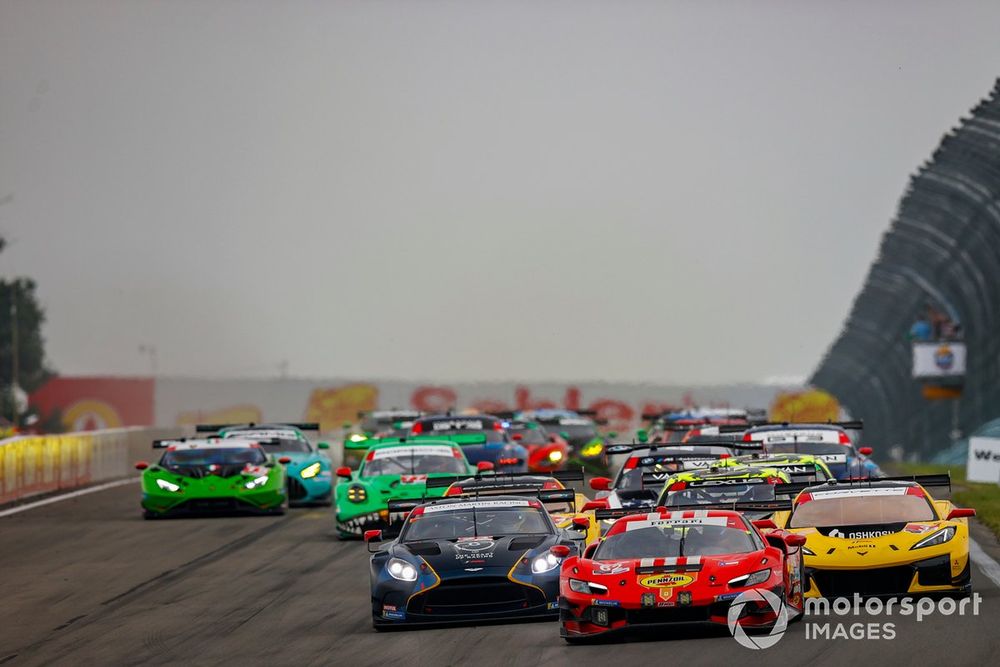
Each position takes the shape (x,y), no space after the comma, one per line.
(666,580)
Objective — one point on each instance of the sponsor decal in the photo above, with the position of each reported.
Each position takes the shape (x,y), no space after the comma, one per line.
(479,505)
(666,580)
(474,549)
(612,568)
(263,434)
(844,493)
(550,605)
(918,528)
(726,596)
(457,424)
(867,535)
(406,452)
(606,603)
(394,615)
(412,479)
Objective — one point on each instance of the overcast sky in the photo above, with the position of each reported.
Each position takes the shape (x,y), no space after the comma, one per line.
(661,191)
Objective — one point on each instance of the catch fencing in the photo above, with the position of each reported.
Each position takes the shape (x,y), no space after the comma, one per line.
(943,247)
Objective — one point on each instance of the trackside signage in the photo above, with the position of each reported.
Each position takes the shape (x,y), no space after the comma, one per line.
(983,464)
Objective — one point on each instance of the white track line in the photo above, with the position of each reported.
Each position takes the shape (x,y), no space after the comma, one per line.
(74,494)
(985,563)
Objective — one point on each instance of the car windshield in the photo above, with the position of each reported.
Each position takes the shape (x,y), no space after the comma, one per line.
(461,426)
(220,456)
(286,445)
(531,436)
(485,520)
(414,461)
(721,493)
(274,440)
(527,490)
(871,507)
(671,541)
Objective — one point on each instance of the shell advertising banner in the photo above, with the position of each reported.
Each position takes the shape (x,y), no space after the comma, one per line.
(88,403)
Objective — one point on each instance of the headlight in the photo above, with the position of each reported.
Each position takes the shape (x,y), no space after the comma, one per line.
(400,569)
(752,579)
(807,551)
(358,437)
(168,486)
(357,494)
(310,471)
(587,587)
(545,563)
(555,456)
(256,481)
(591,450)
(939,537)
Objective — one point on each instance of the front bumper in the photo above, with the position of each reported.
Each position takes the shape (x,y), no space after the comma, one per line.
(355,525)
(261,502)
(944,573)
(312,491)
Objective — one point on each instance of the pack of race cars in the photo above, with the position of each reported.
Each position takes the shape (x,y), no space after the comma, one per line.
(472,517)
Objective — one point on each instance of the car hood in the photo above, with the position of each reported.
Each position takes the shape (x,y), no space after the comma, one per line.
(876,544)
(482,555)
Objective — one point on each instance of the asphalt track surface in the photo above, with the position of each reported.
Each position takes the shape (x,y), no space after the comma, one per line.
(87,581)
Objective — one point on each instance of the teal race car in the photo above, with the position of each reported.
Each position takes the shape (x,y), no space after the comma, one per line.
(394,470)
(310,476)
(212,476)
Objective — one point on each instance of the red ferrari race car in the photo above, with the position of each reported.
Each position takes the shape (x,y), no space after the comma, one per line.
(686,566)
(546,451)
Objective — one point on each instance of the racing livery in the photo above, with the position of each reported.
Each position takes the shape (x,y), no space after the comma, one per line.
(375,425)
(799,467)
(828,442)
(682,566)
(310,481)
(483,438)
(212,476)
(577,427)
(393,470)
(881,537)
(469,560)
(546,451)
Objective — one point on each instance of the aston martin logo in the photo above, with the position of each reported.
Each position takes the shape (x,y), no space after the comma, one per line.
(474,546)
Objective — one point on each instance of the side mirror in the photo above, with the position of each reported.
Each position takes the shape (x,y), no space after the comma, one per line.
(518,436)
(794,540)
(373,536)
(564,435)
(961,513)
(141,465)
(642,435)
(613,434)
(484,466)
(589,551)
(553,438)
(346,425)
(581,523)
(865,451)
(600,483)
(344,471)
(323,445)
(765,524)
(284,460)
(592,505)
(560,551)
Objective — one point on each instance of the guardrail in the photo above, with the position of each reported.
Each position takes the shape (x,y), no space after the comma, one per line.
(35,464)
(943,247)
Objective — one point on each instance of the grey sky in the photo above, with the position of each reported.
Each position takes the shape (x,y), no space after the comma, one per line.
(668,191)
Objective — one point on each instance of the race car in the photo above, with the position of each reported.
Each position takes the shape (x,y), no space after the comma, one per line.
(829,442)
(583,526)
(393,470)
(375,425)
(719,485)
(631,489)
(310,481)
(663,567)
(483,438)
(462,560)
(212,476)
(799,467)
(577,427)
(546,451)
(881,537)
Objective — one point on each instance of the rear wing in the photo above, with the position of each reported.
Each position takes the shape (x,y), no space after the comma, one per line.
(940,479)
(501,480)
(544,496)
(855,425)
(215,428)
(626,448)
(457,438)
(745,506)
(163,444)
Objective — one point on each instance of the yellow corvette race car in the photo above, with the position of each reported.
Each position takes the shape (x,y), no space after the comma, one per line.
(800,467)
(565,514)
(880,537)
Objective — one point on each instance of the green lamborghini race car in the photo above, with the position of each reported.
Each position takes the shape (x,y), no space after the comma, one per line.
(394,470)
(212,476)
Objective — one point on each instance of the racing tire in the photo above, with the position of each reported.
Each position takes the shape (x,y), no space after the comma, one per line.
(150,516)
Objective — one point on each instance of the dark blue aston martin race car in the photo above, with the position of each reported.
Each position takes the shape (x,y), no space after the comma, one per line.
(467,560)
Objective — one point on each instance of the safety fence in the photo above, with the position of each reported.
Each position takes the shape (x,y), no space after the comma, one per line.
(943,248)
(35,464)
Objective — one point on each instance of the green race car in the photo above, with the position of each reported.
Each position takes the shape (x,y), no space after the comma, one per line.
(212,476)
(393,470)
